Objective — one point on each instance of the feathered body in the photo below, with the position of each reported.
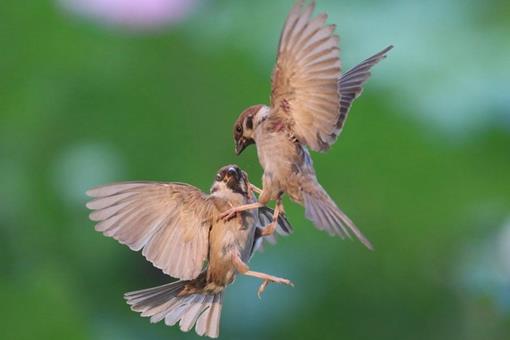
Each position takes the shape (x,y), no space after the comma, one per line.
(226,237)
(287,166)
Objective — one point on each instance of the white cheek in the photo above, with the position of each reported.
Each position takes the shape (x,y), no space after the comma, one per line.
(243,186)
(262,114)
(248,133)
(221,190)
(219,187)
(223,187)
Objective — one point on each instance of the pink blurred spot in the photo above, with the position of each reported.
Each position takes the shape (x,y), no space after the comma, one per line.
(133,13)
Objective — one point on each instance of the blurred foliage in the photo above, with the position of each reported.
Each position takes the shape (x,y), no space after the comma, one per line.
(82,104)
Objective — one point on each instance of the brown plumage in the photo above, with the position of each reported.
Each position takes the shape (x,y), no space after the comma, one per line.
(177,228)
(310,100)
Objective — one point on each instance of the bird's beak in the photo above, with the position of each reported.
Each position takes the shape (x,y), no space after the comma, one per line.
(241,144)
(233,173)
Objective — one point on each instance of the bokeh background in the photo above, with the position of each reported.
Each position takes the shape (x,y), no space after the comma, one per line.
(94,91)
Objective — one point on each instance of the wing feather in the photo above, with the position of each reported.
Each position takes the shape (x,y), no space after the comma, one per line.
(169,221)
(351,85)
(306,72)
(308,93)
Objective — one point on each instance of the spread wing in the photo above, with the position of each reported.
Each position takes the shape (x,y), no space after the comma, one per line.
(351,84)
(169,221)
(304,83)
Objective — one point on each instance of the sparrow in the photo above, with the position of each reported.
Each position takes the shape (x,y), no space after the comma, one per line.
(310,101)
(177,228)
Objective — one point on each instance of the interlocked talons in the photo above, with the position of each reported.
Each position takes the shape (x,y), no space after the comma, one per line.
(271,227)
(230,213)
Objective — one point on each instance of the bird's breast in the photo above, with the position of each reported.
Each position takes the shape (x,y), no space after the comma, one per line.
(276,152)
(227,238)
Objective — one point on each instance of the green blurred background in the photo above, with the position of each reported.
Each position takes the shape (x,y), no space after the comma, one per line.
(89,97)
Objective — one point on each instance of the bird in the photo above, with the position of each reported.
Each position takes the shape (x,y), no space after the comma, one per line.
(176,227)
(310,101)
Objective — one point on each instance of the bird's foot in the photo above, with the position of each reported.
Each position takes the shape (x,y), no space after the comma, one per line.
(272,279)
(229,214)
(268,229)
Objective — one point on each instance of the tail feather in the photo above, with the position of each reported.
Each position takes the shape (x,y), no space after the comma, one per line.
(211,320)
(146,298)
(200,310)
(323,212)
(324,217)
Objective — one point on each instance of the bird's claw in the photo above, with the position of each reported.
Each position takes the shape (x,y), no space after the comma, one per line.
(262,288)
(228,215)
(266,283)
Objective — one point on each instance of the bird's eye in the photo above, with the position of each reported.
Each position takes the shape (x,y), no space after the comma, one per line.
(239,129)
(218,176)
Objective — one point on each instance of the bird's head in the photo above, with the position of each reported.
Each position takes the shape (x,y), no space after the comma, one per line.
(245,125)
(231,178)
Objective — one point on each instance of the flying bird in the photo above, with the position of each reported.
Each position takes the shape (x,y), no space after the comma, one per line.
(178,230)
(310,101)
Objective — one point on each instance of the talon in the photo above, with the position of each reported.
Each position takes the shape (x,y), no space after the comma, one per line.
(288,283)
(284,282)
(266,283)
(268,229)
(262,288)
(227,215)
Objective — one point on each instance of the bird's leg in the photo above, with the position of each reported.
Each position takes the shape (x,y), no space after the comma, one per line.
(279,203)
(271,227)
(227,215)
(251,189)
(240,266)
(243,268)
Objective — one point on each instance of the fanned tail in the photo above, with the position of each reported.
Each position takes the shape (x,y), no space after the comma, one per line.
(323,212)
(164,302)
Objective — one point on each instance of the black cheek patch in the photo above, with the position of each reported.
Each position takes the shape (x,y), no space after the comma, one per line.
(249,122)
(239,174)
(235,186)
